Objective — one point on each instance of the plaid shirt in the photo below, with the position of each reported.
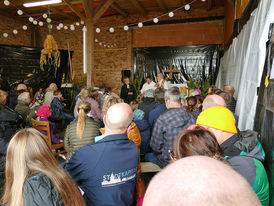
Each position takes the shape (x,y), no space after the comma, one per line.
(166,128)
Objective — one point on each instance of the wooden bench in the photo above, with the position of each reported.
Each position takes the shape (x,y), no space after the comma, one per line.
(149,167)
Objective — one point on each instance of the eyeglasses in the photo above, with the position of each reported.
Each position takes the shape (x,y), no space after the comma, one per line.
(172,155)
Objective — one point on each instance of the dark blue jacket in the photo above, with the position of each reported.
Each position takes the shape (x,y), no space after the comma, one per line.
(56,109)
(106,170)
(145,132)
(154,113)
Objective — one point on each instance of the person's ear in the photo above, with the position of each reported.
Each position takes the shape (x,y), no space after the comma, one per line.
(128,129)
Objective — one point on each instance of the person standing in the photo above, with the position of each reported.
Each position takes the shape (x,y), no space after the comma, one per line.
(127,91)
(161,82)
(150,84)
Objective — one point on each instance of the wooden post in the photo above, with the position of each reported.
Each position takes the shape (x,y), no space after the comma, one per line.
(90,49)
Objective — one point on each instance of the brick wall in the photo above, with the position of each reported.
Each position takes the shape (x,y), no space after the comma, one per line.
(109,62)
(7,25)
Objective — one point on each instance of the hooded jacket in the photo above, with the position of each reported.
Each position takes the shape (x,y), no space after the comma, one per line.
(166,128)
(40,191)
(245,154)
(106,170)
(23,109)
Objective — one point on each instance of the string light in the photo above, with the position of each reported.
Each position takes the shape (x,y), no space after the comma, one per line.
(98,30)
(126,27)
(72,28)
(25,27)
(49,20)
(6,2)
(41,23)
(187,7)
(171,14)
(77,24)
(61,25)
(35,22)
(31,19)
(15,31)
(82,22)
(65,27)
(5,35)
(155,20)
(20,12)
(140,24)
(58,28)
(111,29)
(45,16)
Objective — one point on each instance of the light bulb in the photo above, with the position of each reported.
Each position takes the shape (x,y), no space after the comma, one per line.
(7,3)
(72,28)
(111,29)
(25,27)
(65,27)
(96,40)
(187,7)
(140,24)
(45,16)
(50,26)
(98,30)
(82,22)
(203,0)
(61,25)
(15,31)
(5,35)
(20,12)
(58,28)
(171,14)
(100,43)
(35,22)
(155,20)
(125,27)
(31,19)
(41,23)
(77,23)
(48,20)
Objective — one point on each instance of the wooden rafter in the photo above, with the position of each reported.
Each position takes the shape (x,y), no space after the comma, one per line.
(139,6)
(87,8)
(119,9)
(60,12)
(76,11)
(91,6)
(101,9)
(162,5)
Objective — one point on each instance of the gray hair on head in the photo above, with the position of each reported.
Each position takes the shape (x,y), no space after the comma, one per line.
(173,94)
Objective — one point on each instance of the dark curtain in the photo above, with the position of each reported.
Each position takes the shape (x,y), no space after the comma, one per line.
(198,63)
(264,118)
(22,65)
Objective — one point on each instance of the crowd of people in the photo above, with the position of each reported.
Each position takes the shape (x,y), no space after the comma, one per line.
(108,136)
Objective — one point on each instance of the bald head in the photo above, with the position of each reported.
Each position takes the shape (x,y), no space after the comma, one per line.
(200,181)
(213,101)
(229,89)
(118,117)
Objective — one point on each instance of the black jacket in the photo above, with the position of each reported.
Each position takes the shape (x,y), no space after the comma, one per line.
(10,122)
(124,93)
(146,106)
(40,191)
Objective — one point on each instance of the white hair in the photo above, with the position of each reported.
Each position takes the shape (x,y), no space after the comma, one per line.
(24,96)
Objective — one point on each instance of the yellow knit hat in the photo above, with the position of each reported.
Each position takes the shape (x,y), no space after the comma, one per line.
(219,118)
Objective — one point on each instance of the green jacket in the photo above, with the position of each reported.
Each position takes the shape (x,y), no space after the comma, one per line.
(72,142)
(245,154)
(23,109)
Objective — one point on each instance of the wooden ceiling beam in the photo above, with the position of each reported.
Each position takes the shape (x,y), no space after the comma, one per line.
(139,6)
(87,8)
(57,11)
(91,6)
(116,7)
(162,5)
(101,9)
(76,11)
